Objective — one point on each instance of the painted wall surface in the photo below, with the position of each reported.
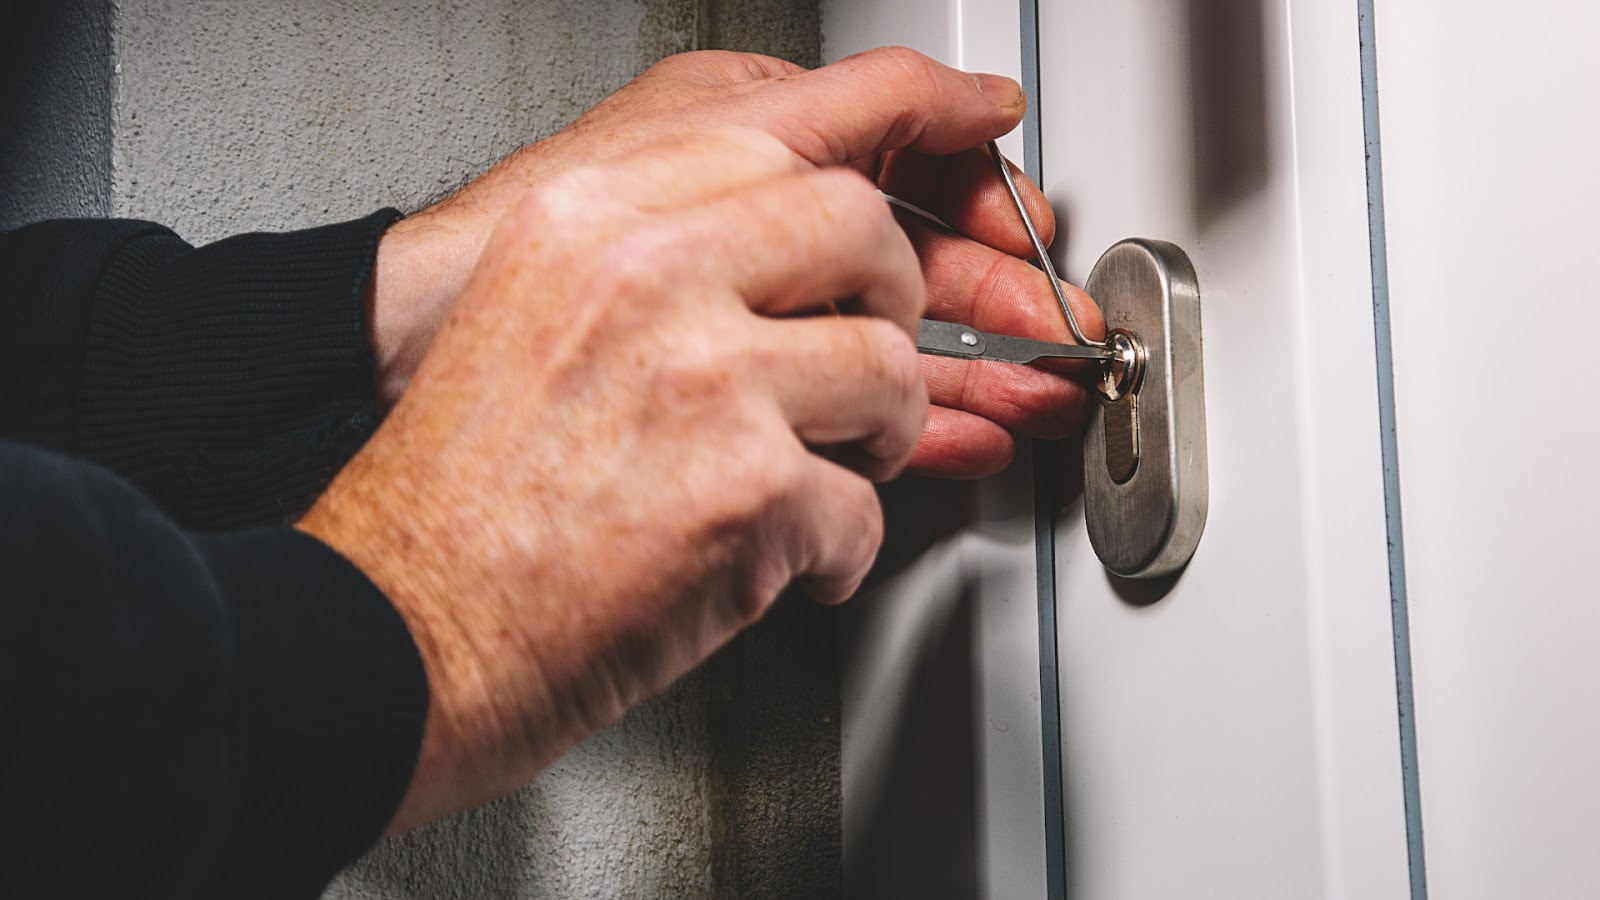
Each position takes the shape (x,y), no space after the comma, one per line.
(216,118)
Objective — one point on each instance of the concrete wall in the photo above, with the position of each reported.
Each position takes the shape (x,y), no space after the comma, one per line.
(216,118)
(293,112)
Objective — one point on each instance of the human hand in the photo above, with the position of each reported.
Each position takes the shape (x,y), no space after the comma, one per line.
(973,275)
(605,468)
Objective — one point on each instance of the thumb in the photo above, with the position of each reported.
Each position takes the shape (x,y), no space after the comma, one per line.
(886,99)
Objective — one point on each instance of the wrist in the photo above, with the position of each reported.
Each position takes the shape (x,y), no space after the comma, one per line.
(479,740)
(423,261)
(360,537)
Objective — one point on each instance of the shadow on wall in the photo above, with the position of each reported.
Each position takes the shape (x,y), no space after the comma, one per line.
(919,840)
(911,810)
(1228,104)
(773,785)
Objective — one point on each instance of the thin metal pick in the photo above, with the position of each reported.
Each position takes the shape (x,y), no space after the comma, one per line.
(1038,246)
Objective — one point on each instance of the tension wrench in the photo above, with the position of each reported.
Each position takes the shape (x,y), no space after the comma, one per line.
(960,342)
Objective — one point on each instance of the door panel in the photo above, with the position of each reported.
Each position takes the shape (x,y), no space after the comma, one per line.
(1489,152)
(943,771)
(1233,732)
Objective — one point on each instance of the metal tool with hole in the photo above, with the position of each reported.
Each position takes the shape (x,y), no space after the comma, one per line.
(960,342)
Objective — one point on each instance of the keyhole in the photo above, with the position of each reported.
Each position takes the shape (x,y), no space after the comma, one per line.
(1121,374)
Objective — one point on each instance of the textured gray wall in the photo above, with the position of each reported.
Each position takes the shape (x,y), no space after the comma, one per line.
(218,117)
(624,815)
(290,113)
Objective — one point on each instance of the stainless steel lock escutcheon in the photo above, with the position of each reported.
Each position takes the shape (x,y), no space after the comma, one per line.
(1144,456)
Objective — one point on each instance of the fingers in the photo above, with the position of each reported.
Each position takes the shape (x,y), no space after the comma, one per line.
(686,170)
(966,191)
(841,528)
(850,380)
(806,242)
(992,291)
(1019,398)
(958,444)
(884,100)
(701,167)
(712,67)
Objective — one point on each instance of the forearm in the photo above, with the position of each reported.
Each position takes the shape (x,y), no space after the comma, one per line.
(422,264)
(241,711)
(229,382)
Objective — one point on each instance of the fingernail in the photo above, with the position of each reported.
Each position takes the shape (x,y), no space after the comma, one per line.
(1001,91)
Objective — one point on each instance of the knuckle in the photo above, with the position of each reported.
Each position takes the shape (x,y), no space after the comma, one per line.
(896,358)
(846,186)
(861,518)
(896,349)
(907,377)
(681,63)
(870,526)
(643,261)
(915,83)
(849,200)
(558,201)
(763,580)
(621,272)
(706,388)
(670,63)
(756,488)
(751,141)
(787,480)
(760,495)
(702,65)
(915,65)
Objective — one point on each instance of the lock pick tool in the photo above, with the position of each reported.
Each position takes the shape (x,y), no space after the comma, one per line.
(961,342)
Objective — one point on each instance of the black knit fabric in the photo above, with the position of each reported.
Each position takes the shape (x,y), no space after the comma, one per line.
(228,714)
(49,274)
(232,381)
(330,698)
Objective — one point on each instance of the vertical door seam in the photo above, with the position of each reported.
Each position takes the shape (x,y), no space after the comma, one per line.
(1398,611)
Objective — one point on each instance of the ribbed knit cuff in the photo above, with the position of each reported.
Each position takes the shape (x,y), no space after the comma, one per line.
(232,381)
(331,699)
(48,274)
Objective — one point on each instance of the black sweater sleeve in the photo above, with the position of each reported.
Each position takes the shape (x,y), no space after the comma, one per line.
(229,382)
(233,713)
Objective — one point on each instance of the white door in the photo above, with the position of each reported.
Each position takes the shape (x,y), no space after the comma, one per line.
(1490,142)
(1234,733)
(1250,729)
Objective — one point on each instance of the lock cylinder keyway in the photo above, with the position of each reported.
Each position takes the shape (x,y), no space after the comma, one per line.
(1119,385)
(1144,456)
